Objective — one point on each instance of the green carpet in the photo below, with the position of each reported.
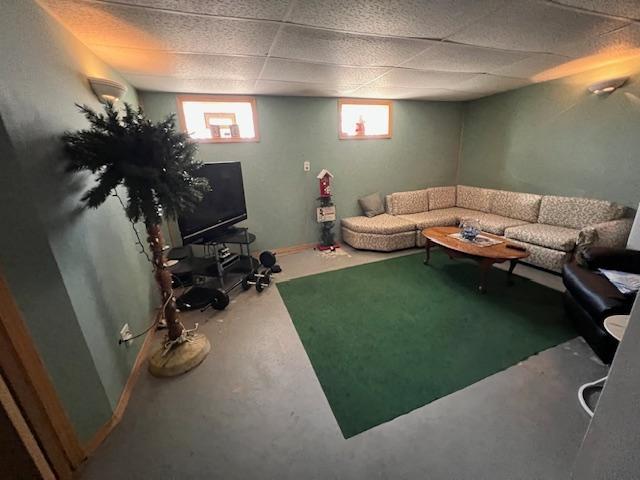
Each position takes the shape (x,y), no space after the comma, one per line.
(388,337)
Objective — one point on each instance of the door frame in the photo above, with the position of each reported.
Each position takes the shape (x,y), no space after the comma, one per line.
(23,434)
(30,385)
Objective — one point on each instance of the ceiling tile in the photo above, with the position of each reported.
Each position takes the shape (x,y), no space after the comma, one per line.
(190,85)
(411,18)
(271,87)
(454,57)
(267,9)
(280,69)
(620,41)
(528,25)
(343,49)
(194,45)
(623,8)
(118,25)
(180,65)
(531,66)
(401,77)
(489,84)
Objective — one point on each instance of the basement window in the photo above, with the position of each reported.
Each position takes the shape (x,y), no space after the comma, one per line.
(219,119)
(360,119)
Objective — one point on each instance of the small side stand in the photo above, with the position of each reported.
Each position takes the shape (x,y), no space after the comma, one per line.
(327,240)
(326,212)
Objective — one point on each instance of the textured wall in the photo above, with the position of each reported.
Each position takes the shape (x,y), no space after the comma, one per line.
(557,138)
(610,447)
(76,274)
(281,197)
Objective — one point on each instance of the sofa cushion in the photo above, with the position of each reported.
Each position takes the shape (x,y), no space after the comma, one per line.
(474,198)
(388,205)
(573,212)
(522,206)
(495,224)
(445,217)
(550,236)
(371,205)
(597,295)
(441,197)
(410,202)
(621,259)
(382,224)
(544,257)
(378,242)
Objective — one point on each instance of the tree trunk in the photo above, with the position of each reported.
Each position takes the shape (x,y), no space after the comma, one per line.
(163,278)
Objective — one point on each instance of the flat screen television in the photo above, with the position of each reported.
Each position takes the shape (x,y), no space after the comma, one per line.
(221,207)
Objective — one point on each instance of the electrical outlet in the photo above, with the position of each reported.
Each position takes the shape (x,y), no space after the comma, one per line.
(125,334)
(307,166)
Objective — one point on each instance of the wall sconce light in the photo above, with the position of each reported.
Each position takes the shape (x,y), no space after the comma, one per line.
(107,90)
(607,86)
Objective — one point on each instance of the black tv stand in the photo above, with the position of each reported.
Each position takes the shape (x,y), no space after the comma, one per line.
(218,275)
(232,235)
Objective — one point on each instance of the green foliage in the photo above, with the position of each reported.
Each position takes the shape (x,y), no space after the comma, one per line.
(154,162)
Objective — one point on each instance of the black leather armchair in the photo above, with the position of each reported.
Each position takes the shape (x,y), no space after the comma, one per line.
(590,297)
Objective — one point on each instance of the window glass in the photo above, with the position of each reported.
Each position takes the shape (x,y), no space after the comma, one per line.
(365,119)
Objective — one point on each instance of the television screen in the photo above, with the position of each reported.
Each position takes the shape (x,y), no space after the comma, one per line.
(221,207)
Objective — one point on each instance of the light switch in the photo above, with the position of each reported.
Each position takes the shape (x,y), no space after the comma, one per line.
(307,166)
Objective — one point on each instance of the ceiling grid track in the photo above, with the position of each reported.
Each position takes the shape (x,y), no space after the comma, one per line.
(290,7)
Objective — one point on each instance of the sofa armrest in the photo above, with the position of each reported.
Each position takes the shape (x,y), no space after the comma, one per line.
(622,259)
(608,234)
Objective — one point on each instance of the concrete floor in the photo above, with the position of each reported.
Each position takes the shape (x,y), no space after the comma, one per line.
(255,410)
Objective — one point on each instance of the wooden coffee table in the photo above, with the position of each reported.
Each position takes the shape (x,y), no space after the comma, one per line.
(485,256)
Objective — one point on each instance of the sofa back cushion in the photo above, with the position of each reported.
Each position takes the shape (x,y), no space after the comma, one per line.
(388,203)
(403,203)
(441,197)
(521,206)
(574,212)
(474,198)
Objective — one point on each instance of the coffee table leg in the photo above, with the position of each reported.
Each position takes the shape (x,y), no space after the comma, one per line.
(485,265)
(512,266)
(427,247)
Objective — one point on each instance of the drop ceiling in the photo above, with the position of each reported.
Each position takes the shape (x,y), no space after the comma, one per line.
(416,49)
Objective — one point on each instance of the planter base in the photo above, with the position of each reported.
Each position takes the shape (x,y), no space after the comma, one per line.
(181,358)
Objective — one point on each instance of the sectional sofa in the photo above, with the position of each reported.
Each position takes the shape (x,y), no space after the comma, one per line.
(551,227)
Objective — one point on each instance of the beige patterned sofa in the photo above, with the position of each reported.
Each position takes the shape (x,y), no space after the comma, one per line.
(550,227)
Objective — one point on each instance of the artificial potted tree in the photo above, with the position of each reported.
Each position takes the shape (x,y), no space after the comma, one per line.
(156,167)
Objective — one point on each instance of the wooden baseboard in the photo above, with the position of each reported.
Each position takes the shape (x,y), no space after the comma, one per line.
(91,446)
(294,249)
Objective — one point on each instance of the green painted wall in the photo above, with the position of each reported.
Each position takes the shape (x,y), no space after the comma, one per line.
(557,138)
(281,197)
(76,274)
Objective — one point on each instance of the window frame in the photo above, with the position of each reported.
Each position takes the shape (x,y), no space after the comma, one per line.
(364,101)
(219,98)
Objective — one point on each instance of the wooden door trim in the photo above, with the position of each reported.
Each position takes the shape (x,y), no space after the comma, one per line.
(24,432)
(30,385)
